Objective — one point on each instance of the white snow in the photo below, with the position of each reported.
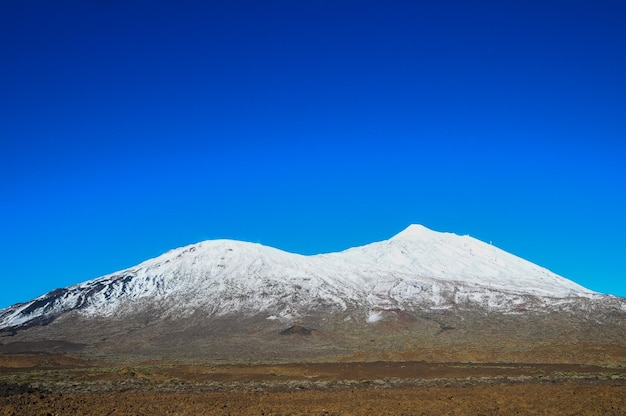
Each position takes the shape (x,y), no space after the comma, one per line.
(374,316)
(416,268)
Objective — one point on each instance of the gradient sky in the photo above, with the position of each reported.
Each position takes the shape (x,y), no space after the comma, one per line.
(130,127)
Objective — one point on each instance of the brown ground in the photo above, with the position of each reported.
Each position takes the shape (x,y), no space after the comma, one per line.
(61,385)
(523,399)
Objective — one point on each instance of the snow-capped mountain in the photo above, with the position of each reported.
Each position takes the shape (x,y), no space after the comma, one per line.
(416,269)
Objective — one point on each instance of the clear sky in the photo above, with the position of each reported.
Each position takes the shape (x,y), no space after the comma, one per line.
(131,127)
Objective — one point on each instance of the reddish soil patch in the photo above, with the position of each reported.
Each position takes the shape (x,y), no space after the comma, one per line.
(9,362)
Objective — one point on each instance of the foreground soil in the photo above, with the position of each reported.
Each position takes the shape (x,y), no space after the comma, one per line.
(49,385)
(524,399)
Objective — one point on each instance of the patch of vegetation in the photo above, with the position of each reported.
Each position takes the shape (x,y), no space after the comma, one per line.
(10,389)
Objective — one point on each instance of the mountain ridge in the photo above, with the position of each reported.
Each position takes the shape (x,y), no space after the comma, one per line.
(416,268)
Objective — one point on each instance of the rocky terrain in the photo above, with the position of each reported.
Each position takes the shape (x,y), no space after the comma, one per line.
(36,385)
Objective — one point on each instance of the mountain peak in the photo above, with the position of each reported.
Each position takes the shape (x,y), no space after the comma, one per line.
(414,231)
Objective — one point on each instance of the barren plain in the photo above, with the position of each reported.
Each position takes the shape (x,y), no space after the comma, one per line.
(45,384)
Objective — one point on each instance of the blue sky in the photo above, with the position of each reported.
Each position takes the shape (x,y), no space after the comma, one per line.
(131,127)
